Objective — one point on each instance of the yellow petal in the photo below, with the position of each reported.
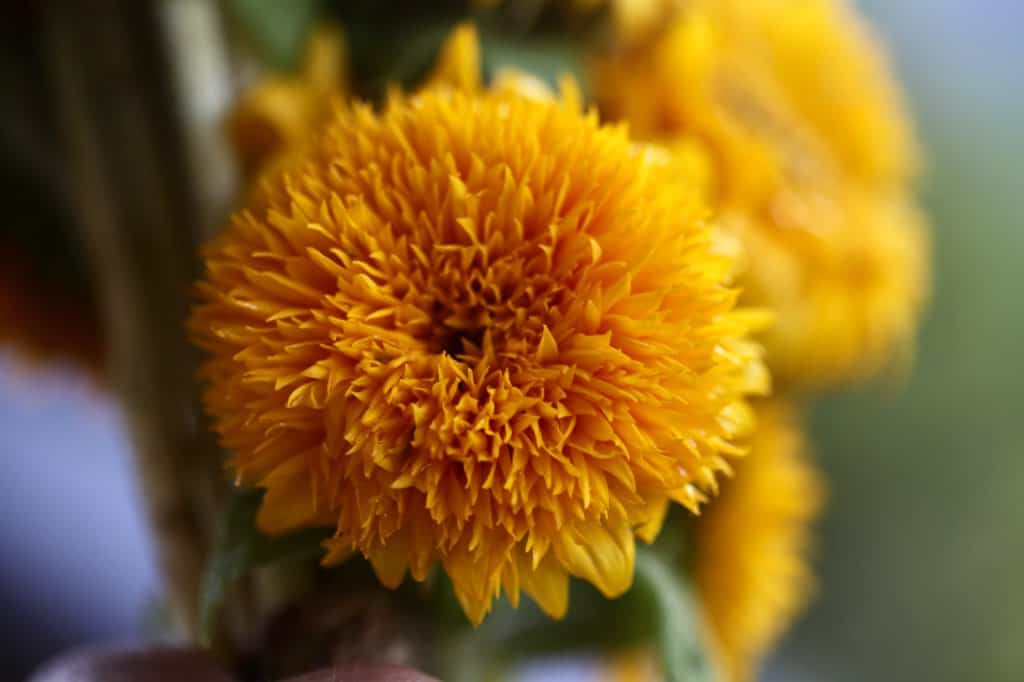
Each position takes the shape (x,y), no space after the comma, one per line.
(391,561)
(548,584)
(327,59)
(289,503)
(338,552)
(651,526)
(601,554)
(547,351)
(474,607)
(458,64)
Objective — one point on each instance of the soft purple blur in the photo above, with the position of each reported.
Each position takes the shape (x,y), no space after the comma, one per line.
(77,559)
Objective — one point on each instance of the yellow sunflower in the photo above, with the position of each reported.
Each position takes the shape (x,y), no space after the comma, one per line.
(480,330)
(750,544)
(809,153)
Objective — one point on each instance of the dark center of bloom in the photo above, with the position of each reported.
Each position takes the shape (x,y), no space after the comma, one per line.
(491,305)
(464,342)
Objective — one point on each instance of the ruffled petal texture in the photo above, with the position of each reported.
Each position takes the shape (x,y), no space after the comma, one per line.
(479,330)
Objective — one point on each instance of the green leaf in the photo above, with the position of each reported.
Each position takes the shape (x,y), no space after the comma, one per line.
(508,636)
(241,547)
(593,623)
(276,29)
(666,597)
(548,57)
(659,610)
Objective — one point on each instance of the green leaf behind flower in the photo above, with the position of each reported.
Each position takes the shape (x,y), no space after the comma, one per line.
(240,548)
(659,611)
(276,29)
(547,57)
(666,598)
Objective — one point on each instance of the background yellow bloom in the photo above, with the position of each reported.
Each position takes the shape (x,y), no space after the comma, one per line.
(750,544)
(748,552)
(810,157)
(280,111)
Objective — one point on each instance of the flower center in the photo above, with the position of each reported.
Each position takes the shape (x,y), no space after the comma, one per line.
(493,305)
(463,342)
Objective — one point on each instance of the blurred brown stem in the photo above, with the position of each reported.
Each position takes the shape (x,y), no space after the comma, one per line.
(136,204)
(139,206)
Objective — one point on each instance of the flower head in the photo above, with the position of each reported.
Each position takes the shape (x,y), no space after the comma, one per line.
(480,330)
(810,153)
(750,544)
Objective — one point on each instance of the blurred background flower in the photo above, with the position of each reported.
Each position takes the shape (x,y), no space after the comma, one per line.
(920,545)
(810,159)
(752,545)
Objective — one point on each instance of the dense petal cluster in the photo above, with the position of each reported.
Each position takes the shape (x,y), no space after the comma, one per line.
(809,156)
(480,330)
(750,544)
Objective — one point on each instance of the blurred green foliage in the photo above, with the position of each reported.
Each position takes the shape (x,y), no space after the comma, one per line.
(276,30)
(533,36)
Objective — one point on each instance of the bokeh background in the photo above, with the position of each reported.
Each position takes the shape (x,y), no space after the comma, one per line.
(921,551)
